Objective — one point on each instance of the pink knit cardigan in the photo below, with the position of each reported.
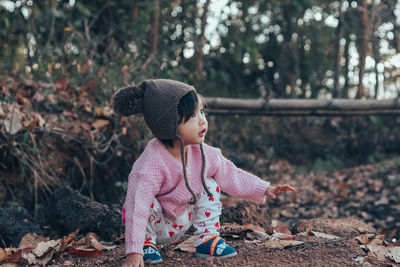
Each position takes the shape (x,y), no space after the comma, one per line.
(156,173)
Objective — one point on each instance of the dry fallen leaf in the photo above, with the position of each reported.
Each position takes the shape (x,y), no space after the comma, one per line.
(10,265)
(248,232)
(84,251)
(281,244)
(13,122)
(100,124)
(288,214)
(380,252)
(364,238)
(31,240)
(93,240)
(187,245)
(377,241)
(394,253)
(43,252)
(281,236)
(10,255)
(322,235)
(370,239)
(44,247)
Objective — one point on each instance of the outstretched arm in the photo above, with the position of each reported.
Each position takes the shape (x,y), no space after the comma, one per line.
(272,191)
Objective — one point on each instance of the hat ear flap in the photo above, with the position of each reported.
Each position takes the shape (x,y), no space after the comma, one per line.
(128,100)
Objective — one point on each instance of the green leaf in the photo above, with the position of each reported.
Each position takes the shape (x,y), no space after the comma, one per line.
(25,138)
(82,8)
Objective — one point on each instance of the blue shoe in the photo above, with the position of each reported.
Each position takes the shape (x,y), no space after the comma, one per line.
(150,253)
(215,247)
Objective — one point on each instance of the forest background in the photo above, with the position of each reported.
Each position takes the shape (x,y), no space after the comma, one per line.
(61,61)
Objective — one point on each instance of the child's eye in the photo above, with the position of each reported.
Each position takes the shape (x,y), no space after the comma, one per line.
(193,115)
(203,112)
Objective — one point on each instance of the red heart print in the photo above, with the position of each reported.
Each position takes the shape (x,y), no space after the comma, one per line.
(217,225)
(180,227)
(202,236)
(206,231)
(210,199)
(174,225)
(159,220)
(152,205)
(151,218)
(190,215)
(217,189)
(208,214)
(148,237)
(171,234)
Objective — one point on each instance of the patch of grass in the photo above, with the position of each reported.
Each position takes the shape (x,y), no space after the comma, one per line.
(331,163)
(375,157)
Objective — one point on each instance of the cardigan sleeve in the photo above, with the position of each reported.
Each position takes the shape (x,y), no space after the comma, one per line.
(236,181)
(141,191)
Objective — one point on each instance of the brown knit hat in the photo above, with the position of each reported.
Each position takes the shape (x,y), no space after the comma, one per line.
(158,101)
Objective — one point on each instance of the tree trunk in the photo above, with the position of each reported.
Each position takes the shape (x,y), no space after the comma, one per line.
(296,60)
(155,22)
(135,11)
(199,43)
(153,38)
(339,34)
(346,68)
(289,68)
(375,46)
(363,46)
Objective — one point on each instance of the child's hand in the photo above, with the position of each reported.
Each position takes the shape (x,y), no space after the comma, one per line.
(279,189)
(133,260)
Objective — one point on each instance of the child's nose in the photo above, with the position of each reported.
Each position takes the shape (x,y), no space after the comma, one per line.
(203,120)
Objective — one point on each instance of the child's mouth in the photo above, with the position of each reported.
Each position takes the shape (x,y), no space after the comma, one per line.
(203,132)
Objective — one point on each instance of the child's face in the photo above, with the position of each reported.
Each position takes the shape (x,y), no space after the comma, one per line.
(194,130)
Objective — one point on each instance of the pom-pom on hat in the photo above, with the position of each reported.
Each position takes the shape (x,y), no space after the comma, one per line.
(157,100)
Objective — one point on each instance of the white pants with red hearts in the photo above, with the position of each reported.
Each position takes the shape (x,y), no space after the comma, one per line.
(204,216)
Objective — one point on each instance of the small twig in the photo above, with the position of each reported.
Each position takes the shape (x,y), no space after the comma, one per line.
(107,144)
(82,172)
(11,122)
(31,164)
(91,177)
(35,194)
(37,150)
(39,166)
(4,243)
(98,14)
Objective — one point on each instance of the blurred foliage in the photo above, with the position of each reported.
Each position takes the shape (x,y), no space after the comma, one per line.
(60,61)
(270,48)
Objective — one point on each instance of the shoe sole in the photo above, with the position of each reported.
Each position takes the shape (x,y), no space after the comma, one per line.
(203,256)
(156,262)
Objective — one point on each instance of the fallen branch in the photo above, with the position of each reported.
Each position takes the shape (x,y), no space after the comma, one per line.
(302,107)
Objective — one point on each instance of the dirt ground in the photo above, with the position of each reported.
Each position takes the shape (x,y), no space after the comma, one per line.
(348,203)
(340,253)
(344,251)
